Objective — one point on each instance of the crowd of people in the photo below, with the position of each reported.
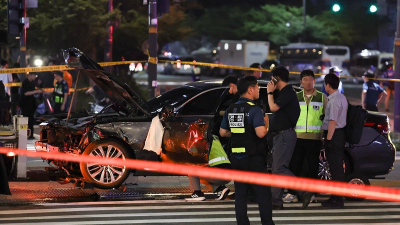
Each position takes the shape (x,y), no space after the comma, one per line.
(25,98)
(301,125)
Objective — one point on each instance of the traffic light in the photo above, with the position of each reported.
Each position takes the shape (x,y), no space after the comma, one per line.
(336,8)
(373,8)
(15,13)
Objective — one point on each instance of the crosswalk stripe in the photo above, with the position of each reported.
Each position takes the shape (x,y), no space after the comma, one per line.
(137,202)
(291,211)
(188,206)
(197,213)
(213,219)
(166,207)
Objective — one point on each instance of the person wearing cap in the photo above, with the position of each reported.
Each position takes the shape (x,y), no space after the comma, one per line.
(27,101)
(60,92)
(255,73)
(372,93)
(334,70)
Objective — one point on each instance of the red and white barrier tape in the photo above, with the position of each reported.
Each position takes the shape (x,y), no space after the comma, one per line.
(312,185)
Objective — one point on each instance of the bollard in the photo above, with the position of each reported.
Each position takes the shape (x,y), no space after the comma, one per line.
(21,129)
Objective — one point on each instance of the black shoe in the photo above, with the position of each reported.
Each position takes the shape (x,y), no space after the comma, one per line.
(196,196)
(333,204)
(306,199)
(222,192)
(277,207)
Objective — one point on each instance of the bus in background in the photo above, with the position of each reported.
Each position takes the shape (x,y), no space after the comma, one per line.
(297,57)
(369,60)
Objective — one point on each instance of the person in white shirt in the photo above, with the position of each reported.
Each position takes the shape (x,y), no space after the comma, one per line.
(5,77)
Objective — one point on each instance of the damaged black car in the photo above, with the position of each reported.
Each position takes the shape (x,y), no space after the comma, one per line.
(120,129)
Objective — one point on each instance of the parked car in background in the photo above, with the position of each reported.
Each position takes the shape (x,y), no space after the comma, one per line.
(177,68)
(207,55)
(190,114)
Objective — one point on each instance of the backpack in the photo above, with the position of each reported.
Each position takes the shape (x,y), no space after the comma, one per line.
(356,117)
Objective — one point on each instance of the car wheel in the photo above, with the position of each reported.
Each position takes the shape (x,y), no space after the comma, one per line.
(356,179)
(105,176)
(324,172)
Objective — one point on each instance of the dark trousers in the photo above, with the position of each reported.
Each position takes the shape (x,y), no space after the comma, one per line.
(335,155)
(305,158)
(31,119)
(282,152)
(263,193)
(57,108)
(371,108)
(4,188)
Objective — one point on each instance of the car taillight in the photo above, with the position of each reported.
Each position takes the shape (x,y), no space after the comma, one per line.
(382,128)
(178,64)
(194,62)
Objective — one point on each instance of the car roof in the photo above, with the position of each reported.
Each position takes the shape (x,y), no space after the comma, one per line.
(207,84)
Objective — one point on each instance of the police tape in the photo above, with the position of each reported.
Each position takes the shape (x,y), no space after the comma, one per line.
(61,67)
(18,84)
(305,184)
(154,60)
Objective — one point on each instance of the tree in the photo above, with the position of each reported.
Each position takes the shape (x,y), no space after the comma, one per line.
(133,30)
(61,24)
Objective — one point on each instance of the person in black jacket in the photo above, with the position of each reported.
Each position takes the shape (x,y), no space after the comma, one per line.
(27,102)
(246,125)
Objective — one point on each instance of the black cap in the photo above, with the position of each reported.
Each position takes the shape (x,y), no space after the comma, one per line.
(59,73)
(369,74)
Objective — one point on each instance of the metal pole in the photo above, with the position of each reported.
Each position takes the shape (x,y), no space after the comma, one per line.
(397,73)
(73,96)
(109,43)
(22,41)
(304,20)
(152,68)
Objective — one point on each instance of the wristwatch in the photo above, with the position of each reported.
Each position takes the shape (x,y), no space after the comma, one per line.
(270,93)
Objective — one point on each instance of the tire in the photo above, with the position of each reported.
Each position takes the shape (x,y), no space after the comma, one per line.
(324,170)
(356,179)
(105,176)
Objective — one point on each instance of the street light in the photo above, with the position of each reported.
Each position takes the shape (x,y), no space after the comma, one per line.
(373,8)
(336,8)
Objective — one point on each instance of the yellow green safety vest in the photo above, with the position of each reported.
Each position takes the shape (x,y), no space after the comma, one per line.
(217,153)
(309,120)
(58,93)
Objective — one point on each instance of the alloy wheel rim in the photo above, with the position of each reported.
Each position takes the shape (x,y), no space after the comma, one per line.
(106,174)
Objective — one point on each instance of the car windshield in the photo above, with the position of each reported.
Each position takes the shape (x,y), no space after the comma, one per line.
(174,97)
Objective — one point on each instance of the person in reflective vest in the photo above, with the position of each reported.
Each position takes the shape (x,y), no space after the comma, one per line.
(308,130)
(246,125)
(217,158)
(60,92)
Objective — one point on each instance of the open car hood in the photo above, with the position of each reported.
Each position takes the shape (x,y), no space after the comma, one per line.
(124,98)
